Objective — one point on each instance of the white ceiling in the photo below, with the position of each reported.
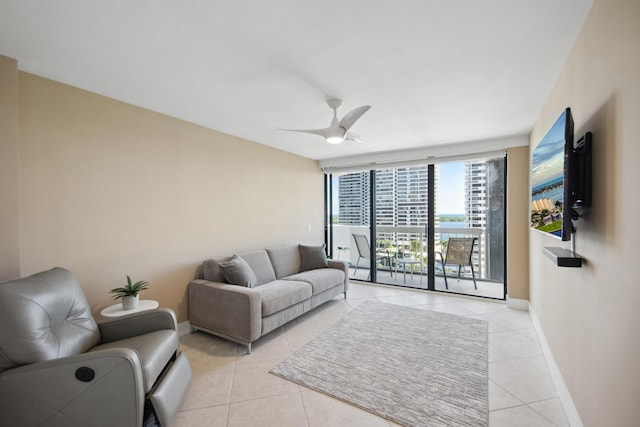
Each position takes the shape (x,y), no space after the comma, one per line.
(434,71)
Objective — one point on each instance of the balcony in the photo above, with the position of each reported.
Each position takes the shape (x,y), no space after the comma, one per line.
(408,252)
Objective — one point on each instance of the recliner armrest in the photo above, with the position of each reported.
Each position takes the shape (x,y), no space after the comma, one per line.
(51,390)
(137,324)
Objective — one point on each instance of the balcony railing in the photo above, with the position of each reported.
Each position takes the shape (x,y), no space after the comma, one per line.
(408,243)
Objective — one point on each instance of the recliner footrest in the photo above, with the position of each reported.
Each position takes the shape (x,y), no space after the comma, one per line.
(168,395)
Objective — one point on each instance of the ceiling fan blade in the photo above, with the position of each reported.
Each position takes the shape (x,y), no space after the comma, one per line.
(336,133)
(353,137)
(322,132)
(352,116)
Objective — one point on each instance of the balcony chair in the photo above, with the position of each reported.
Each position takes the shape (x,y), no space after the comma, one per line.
(59,368)
(459,252)
(364,252)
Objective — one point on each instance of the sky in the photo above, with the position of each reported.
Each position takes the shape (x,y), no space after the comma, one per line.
(548,156)
(450,194)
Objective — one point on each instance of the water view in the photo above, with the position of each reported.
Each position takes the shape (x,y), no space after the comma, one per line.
(547,179)
(451,221)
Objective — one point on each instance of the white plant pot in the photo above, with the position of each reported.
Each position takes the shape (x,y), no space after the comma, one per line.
(130,302)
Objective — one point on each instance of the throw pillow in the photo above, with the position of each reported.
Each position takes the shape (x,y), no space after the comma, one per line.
(211,269)
(238,272)
(312,257)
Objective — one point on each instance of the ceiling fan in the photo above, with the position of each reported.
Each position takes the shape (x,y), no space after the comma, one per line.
(337,131)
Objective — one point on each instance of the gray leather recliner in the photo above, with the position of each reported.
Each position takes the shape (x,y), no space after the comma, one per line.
(59,368)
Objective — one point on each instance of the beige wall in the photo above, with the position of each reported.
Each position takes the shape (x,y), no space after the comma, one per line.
(9,196)
(108,189)
(591,316)
(517,223)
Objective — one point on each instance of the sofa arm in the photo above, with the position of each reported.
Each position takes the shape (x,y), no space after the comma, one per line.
(102,388)
(137,324)
(344,266)
(229,310)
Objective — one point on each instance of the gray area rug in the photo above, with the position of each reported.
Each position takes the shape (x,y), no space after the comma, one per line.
(411,366)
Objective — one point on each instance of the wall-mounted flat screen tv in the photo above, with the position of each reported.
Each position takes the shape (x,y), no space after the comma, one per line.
(550,191)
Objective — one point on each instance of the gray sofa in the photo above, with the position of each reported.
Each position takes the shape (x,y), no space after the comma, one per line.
(245,296)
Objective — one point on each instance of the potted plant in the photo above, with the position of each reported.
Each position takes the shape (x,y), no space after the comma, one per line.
(130,293)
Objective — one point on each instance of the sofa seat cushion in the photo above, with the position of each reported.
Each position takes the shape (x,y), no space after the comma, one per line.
(320,279)
(280,294)
(154,349)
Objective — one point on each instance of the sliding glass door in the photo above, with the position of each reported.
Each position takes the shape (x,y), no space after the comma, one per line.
(350,215)
(395,225)
(401,216)
(469,237)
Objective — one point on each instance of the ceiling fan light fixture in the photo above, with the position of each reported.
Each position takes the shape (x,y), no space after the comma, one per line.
(335,136)
(338,130)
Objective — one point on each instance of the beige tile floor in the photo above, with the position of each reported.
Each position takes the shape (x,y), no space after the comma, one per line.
(231,388)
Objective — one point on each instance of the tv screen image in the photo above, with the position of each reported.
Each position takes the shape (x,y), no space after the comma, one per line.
(550,213)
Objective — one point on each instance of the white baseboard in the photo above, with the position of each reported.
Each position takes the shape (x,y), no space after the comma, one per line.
(561,387)
(517,304)
(184,328)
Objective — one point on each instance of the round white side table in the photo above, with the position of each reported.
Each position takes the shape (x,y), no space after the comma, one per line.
(117,310)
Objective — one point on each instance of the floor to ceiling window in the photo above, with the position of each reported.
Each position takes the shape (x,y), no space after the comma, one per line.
(384,229)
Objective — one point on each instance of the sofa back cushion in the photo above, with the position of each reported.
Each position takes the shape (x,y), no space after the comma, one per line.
(285,260)
(261,265)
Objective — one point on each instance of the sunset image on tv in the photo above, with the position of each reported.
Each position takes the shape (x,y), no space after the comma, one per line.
(547,180)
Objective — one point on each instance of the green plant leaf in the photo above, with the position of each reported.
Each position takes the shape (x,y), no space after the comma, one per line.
(130,289)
